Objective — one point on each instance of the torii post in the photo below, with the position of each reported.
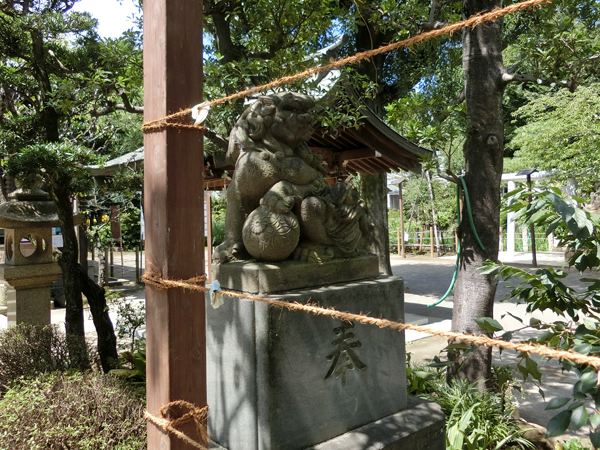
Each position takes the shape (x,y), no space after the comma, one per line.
(173,193)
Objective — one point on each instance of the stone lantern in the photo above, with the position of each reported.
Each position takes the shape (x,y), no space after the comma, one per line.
(29,267)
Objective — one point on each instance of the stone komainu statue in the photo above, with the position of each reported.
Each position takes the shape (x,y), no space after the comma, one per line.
(279,205)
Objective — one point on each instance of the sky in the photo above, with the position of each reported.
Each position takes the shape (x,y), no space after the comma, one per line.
(113,18)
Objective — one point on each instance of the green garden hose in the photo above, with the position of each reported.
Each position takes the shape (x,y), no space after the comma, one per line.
(462,180)
(455,275)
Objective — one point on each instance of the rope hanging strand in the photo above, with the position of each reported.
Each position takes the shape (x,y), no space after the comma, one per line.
(155,280)
(196,415)
(473,21)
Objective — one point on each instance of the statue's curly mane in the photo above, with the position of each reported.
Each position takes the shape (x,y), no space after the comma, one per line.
(252,131)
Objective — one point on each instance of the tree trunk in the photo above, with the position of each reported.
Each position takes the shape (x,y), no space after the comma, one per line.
(69,265)
(373,190)
(107,341)
(474,292)
(433,216)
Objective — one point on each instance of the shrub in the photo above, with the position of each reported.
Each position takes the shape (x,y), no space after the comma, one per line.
(422,380)
(130,231)
(477,420)
(27,351)
(75,411)
(573,444)
(218,232)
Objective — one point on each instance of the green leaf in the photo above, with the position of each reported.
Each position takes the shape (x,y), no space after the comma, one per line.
(488,324)
(545,337)
(595,439)
(440,364)
(557,403)
(457,347)
(490,269)
(590,324)
(584,348)
(558,424)
(586,383)
(515,317)
(595,420)
(524,372)
(507,336)
(532,369)
(534,322)
(597,399)
(579,417)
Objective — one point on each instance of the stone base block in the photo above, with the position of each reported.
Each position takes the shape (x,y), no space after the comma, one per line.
(30,306)
(30,276)
(421,426)
(266,278)
(280,379)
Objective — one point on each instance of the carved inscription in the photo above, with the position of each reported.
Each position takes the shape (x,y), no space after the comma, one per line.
(344,357)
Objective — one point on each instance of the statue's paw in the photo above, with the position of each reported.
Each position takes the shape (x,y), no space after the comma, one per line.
(276,203)
(221,254)
(300,254)
(239,252)
(228,251)
(313,253)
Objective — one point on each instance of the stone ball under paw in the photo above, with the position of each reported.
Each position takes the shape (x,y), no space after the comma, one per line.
(270,236)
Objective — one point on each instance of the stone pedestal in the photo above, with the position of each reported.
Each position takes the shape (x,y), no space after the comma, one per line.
(29,306)
(421,426)
(266,278)
(29,301)
(280,379)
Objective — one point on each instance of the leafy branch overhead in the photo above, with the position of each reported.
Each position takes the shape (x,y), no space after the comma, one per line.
(56,73)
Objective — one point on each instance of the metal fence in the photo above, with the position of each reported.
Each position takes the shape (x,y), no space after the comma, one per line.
(420,241)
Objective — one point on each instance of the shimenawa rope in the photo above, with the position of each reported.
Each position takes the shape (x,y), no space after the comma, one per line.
(473,21)
(194,414)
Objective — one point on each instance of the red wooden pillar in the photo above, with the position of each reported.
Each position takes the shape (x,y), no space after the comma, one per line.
(173,192)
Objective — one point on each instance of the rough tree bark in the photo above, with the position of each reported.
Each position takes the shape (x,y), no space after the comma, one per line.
(474,292)
(373,190)
(107,341)
(68,264)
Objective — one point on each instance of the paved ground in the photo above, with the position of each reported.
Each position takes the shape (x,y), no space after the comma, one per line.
(426,280)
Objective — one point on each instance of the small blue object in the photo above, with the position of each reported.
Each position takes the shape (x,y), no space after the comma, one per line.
(216,295)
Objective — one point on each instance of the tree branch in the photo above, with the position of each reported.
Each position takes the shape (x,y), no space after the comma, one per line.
(112,107)
(216,139)
(128,106)
(61,65)
(525,78)
(432,24)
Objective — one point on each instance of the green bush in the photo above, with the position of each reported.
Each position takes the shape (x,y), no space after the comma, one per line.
(573,444)
(130,231)
(75,411)
(476,420)
(218,232)
(27,351)
(421,380)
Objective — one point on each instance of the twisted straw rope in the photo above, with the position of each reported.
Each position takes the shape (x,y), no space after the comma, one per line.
(195,414)
(473,21)
(153,278)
